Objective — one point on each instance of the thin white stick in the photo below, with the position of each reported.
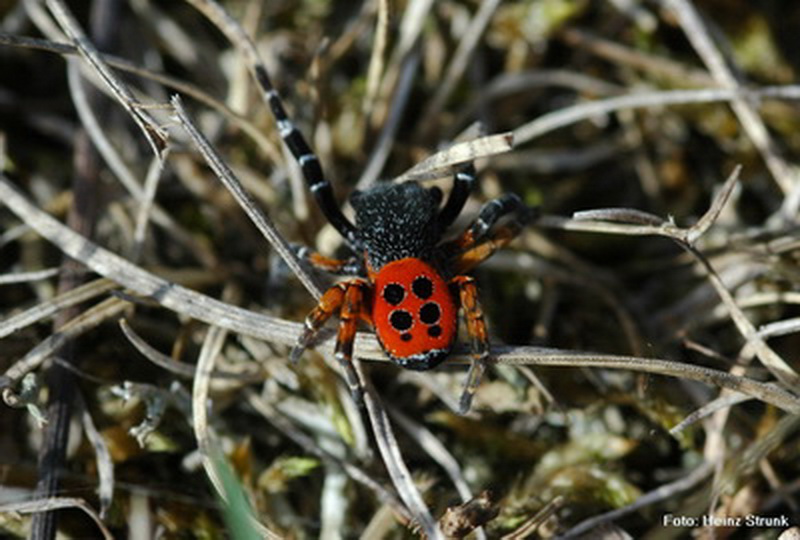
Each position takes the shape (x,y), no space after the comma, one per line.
(152,132)
(698,36)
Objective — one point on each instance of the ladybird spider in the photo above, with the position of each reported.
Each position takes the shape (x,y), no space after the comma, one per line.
(406,282)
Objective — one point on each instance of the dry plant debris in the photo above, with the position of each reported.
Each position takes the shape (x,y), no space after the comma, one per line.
(645,329)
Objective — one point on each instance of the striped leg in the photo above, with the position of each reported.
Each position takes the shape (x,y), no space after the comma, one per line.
(309,163)
(478,242)
(353,266)
(479,338)
(490,213)
(467,260)
(463,182)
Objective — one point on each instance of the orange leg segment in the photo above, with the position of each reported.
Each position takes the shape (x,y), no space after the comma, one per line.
(343,267)
(352,310)
(477,253)
(346,299)
(479,337)
(330,303)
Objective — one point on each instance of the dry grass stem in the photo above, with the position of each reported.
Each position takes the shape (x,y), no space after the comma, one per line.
(154,134)
(48,308)
(442,163)
(55,503)
(751,121)
(246,201)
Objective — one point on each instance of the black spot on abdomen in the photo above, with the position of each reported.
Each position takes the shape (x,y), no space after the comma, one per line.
(422,287)
(401,320)
(394,293)
(430,313)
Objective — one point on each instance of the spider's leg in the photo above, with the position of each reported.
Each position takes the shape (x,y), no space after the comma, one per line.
(352,266)
(479,337)
(353,309)
(477,242)
(475,255)
(330,303)
(490,213)
(309,162)
(463,182)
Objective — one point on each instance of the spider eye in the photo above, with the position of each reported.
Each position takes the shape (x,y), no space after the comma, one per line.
(394,293)
(422,287)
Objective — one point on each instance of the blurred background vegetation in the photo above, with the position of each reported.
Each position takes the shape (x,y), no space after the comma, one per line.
(577,442)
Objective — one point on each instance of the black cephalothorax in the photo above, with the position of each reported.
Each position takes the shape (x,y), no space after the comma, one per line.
(394,221)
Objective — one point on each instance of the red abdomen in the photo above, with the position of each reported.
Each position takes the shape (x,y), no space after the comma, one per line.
(414,314)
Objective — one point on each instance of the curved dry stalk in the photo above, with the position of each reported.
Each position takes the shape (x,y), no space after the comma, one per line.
(399,99)
(393,459)
(105,465)
(768,357)
(280,422)
(27,277)
(147,207)
(506,84)
(207,443)
(533,356)
(753,125)
(529,527)
(747,459)
(57,503)
(153,133)
(780,328)
(441,163)
(143,283)
(440,454)
(722,402)
(436,450)
(143,195)
(121,64)
(246,202)
(97,134)
(641,100)
(181,369)
(687,238)
(48,308)
(411,28)
(203,434)
(653,64)
(84,322)
(459,62)
(377,57)
(659,494)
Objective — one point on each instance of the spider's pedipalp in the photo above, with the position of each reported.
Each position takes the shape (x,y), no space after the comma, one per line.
(352,266)
(328,305)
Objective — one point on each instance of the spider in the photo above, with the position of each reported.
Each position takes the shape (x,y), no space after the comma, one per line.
(405,281)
